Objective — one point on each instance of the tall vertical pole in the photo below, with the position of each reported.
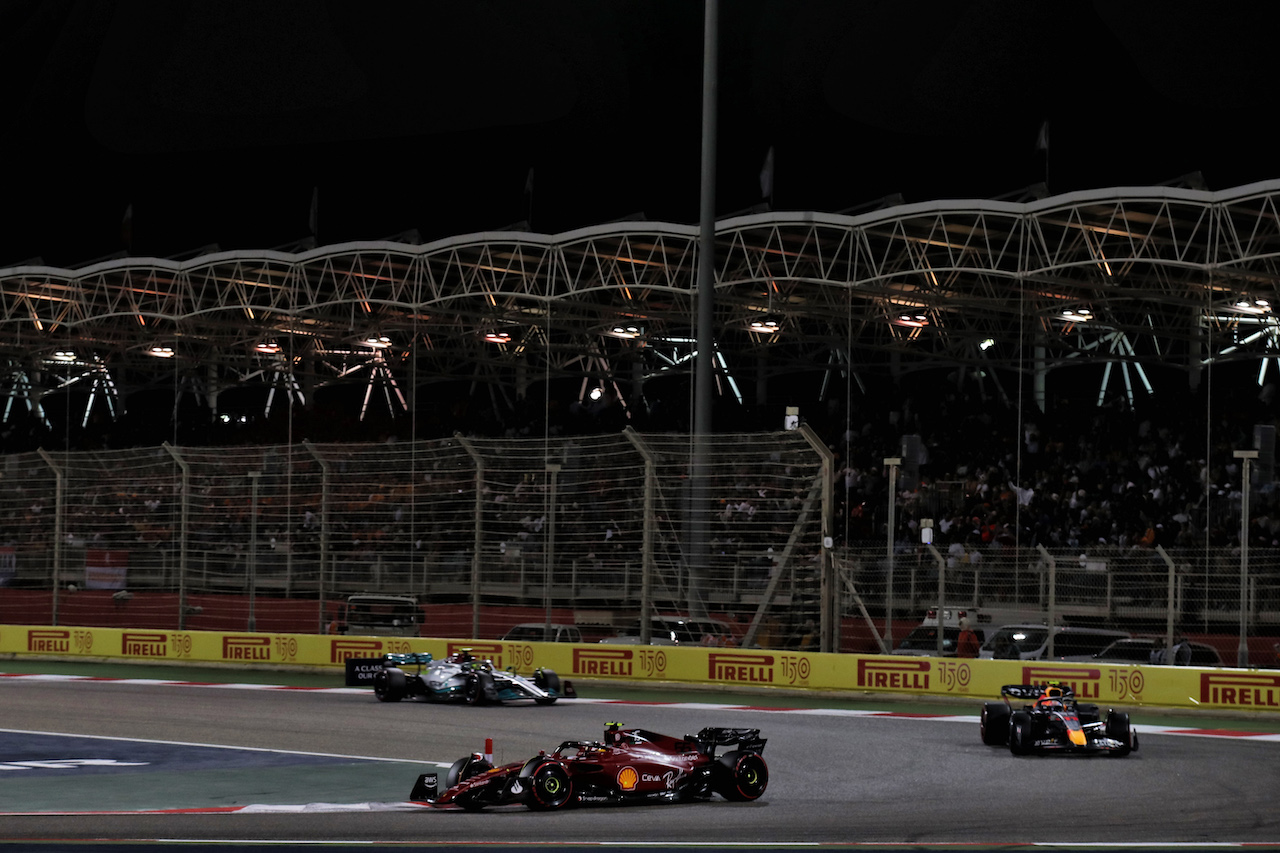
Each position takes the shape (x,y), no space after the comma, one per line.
(253,549)
(699,555)
(893,462)
(1242,651)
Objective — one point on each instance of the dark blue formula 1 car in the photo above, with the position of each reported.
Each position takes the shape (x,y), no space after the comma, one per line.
(1051,721)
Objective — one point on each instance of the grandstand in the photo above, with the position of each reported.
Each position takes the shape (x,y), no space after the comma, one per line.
(1011,308)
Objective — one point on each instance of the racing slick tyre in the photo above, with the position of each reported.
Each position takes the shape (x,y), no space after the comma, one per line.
(389,685)
(1118,728)
(549,785)
(462,770)
(549,681)
(740,776)
(479,685)
(1020,733)
(994,724)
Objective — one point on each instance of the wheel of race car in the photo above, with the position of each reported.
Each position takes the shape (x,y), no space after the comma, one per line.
(549,786)
(549,681)
(1020,733)
(475,689)
(462,770)
(994,724)
(1118,728)
(389,685)
(740,776)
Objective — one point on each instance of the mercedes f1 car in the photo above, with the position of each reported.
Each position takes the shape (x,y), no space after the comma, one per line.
(1050,720)
(628,766)
(462,677)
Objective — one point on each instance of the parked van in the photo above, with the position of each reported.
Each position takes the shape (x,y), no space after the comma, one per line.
(537,632)
(1031,642)
(374,615)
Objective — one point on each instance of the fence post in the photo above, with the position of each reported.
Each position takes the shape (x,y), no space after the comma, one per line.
(324,529)
(828,589)
(184,537)
(59,479)
(1052,595)
(942,591)
(1170,601)
(478,541)
(646,545)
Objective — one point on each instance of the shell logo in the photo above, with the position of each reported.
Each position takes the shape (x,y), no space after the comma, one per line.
(628,778)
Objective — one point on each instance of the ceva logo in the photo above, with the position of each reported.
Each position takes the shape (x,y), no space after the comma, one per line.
(146,644)
(615,662)
(1085,682)
(341,650)
(1240,689)
(893,674)
(736,667)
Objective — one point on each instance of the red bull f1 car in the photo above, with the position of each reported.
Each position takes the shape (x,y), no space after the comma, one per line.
(627,766)
(1049,720)
(462,677)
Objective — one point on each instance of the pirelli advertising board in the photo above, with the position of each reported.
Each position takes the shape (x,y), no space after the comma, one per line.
(1163,686)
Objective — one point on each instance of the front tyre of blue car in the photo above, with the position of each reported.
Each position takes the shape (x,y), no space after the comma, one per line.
(740,776)
(1119,728)
(994,724)
(549,787)
(1020,733)
(389,685)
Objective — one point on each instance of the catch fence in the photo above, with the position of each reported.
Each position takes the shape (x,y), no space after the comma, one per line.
(485,532)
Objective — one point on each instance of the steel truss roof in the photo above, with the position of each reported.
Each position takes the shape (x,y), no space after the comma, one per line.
(1151,275)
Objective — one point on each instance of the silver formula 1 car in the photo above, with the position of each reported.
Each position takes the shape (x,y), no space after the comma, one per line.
(462,677)
(1050,720)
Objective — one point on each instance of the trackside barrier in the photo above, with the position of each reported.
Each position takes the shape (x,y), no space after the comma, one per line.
(1162,686)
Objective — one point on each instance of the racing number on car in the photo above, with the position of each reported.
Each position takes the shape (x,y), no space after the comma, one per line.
(1127,684)
(795,669)
(653,663)
(954,675)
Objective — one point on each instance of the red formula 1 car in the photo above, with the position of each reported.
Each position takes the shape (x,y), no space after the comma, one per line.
(1050,720)
(629,765)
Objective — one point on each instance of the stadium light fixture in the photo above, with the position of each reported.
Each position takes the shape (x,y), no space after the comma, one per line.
(64,355)
(1077,315)
(269,347)
(626,330)
(159,351)
(497,336)
(377,341)
(766,325)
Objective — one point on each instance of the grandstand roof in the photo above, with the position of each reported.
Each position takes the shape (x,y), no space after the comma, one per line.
(1139,276)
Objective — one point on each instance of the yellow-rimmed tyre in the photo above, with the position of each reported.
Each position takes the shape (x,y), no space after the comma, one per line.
(549,786)
(740,776)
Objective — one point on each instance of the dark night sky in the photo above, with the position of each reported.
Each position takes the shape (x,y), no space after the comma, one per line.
(214,120)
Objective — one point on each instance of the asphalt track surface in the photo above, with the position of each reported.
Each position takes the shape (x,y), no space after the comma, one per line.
(91,760)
